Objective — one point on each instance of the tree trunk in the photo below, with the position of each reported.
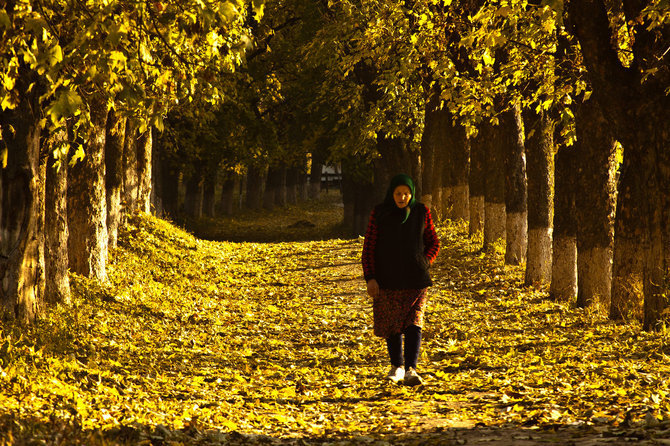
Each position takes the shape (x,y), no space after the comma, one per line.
(22,277)
(209,197)
(56,260)
(540,159)
(516,193)
(628,255)
(116,132)
(157,180)
(228,195)
(87,205)
(144,155)
(292,180)
(193,203)
(494,183)
(431,143)
(657,256)
(595,203)
(254,187)
(476,183)
(130,170)
(272,185)
(634,103)
(169,178)
(281,197)
(315,175)
(564,265)
(457,155)
(210,186)
(303,192)
(358,196)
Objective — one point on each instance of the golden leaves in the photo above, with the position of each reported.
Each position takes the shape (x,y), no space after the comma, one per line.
(273,340)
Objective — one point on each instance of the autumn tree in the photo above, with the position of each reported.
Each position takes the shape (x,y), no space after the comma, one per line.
(630,85)
(63,66)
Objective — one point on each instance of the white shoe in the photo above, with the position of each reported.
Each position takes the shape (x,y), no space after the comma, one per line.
(396,374)
(412,378)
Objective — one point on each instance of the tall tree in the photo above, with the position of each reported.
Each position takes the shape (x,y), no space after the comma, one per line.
(596,176)
(114,145)
(57,279)
(87,205)
(564,244)
(21,220)
(494,198)
(540,157)
(516,192)
(632,93)
(476,181)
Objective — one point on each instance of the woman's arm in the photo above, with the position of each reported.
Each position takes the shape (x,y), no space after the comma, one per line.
(430,241)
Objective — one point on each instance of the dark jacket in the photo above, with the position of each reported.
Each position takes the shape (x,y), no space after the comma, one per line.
(395,253)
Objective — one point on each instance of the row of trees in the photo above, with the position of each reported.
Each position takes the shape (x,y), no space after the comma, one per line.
(83,85)
(481,101)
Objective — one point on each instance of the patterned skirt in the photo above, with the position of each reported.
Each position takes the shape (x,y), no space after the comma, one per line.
(395,310)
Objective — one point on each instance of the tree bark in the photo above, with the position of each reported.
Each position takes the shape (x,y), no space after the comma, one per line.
(87,204)
(157,180)
(281,198)
(211,183)
(255,181)
(144,155)
(114,144)
(494,184)
(193,203)
(431,143)
(130,169)
(628,255)
(22,275)
(457,154)
(476,184)
(228,195)
(56,259)
(516,192)
(272,185)
(292,182)
(168,178)
(540,159)
(595,150)
(564,265)
(358,196)
(315,174)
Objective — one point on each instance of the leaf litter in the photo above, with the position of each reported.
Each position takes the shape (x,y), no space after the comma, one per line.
(204,342)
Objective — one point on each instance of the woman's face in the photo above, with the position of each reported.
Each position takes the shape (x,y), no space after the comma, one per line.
(402,195)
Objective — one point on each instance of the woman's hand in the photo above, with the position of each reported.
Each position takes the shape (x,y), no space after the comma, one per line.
(373,288)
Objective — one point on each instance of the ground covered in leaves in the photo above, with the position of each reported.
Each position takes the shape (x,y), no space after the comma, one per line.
(214,343)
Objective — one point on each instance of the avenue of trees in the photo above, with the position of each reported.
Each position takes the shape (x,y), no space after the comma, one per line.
(543,123)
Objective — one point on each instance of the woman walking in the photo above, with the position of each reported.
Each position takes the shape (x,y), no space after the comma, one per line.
(400,245)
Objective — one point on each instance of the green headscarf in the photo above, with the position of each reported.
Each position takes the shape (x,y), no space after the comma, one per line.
(400,180)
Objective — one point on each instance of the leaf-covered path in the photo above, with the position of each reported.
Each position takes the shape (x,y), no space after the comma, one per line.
(210,343)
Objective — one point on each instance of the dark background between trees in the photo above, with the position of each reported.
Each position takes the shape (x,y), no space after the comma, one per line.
(544,123)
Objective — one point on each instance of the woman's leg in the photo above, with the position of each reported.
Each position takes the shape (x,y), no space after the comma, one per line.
(394,344)
(412,346)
